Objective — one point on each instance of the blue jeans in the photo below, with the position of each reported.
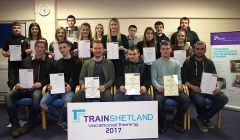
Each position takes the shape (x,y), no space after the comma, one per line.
(15,95)
(119,96)
(205,113)
(48,98)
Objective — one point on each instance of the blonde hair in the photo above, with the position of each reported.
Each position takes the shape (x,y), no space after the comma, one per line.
(186,46)
(109,36)
(90,32)
(95,33)
(57,31)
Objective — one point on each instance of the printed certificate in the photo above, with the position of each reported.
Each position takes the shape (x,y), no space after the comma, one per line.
(57,54)
(58,83)
(149,55)
(180,56)
(170,85)
(208,83)
(132,83)
(26,78)
(112,50)
(84,49)
(92,87)
(32,46)
(15,52)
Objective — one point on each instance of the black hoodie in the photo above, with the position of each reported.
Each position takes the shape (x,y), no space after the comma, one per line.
(138,67)
(192,70)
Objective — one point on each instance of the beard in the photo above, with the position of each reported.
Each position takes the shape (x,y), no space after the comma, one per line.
(199,56)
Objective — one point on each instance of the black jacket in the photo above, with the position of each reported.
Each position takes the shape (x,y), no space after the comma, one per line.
(139,67)
(192,70)
(71,69)
(46,67)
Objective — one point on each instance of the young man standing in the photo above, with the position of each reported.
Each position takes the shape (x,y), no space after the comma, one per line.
(97,67)
(134,65)
(191,36)
(160,36)
(192,71)
(72,30)
(132,38)
(13,66)
(167,66)
(42,67)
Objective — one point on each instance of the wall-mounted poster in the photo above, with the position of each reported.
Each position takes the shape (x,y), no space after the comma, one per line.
(226,57)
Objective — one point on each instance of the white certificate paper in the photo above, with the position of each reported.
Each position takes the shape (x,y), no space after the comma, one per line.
(57,54)
(58,83)
(84,49)
(26,78)
(92,87)
(32,46)
(208,83)
(15,52)
(132,83)
(112,50)
(149,54)
(170,85)
(180,56)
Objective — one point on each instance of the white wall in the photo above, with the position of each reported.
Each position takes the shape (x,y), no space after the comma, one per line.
(17,10)
(148,8)
(206,16)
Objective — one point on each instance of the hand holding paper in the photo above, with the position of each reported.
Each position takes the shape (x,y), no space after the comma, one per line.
(208,83)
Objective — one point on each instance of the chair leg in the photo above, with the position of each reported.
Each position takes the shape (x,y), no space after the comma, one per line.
(219,119)
(188,117)
(185,121)
(44,121)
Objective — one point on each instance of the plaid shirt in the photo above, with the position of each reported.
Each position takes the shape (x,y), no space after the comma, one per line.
(72,34)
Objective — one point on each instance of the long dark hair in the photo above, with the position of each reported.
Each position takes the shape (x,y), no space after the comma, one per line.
(39,32)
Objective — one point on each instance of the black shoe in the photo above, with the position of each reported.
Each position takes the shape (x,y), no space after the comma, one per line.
(162,129)
(25,129)
(177,127)
(63,125)
(202,125)
(15,133)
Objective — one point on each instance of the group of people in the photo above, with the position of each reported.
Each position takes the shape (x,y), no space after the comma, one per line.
(38,56)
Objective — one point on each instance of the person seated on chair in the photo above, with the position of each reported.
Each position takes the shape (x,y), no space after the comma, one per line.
(134,65)
(100,67)
(192,71)
(41,66)
(167,66)
(71,67)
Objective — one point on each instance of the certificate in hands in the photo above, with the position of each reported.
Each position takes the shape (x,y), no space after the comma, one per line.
(57,54)
(149,54)
(92,87)
(132,83)
(170,85)
(15,52)
(26,78)
(208,82)
(58,83)
(112,50)
(32,46)
(84,49)
(180,56)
